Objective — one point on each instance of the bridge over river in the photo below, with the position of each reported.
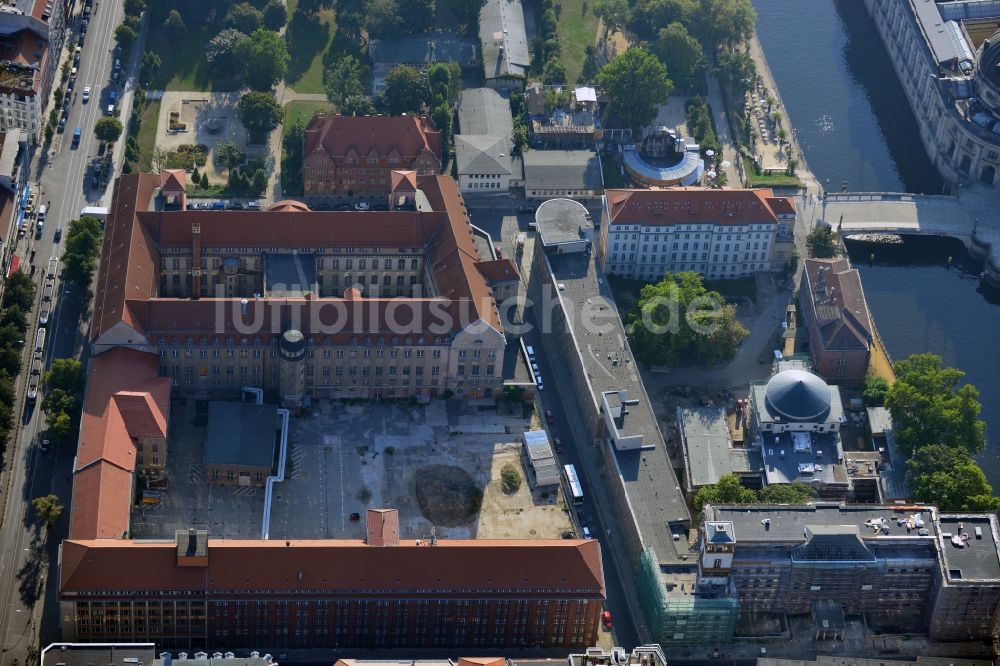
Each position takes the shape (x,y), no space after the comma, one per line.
(973,219)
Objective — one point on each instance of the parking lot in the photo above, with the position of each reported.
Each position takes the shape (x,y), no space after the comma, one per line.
(440,467)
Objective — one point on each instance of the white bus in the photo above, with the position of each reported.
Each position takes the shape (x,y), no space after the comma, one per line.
(573,481)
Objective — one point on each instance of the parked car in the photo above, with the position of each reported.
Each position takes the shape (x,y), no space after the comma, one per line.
(559,448)
(355,517)
(526,209)
(361,205)
(606,619)
(548,417)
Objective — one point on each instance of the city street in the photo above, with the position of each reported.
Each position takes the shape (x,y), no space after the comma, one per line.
(28,559)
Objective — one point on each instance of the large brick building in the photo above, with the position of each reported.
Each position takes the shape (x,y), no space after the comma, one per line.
(836,313)
(353,157)
(31,39)
(195,592)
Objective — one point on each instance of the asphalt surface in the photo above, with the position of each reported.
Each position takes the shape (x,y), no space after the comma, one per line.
(27,557)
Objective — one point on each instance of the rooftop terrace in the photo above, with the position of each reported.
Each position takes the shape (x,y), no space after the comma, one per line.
(977,558)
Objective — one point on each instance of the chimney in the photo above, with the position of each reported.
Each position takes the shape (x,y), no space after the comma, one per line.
(383,527)
(195,261)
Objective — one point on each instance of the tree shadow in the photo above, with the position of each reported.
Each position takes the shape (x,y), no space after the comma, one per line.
(29,576)
(307,37)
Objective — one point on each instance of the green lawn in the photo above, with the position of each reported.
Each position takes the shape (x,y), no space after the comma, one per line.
(768,180)
(183,63)
(735,288)
(304,111)
(147,134)
(577,30)
(309,42)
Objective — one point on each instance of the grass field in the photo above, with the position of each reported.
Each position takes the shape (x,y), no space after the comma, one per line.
(147,134)
(768,180)
(577,29)
(183,65)
(309,42)
(304,111)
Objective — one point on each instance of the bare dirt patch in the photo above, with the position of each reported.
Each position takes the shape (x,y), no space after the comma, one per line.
(447,495)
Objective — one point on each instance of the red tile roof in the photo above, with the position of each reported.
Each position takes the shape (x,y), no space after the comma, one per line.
(129,259)
(838,302)
(338,135)
(383,527)
(404,181)
(482,661)
(133,236)
(693,205)
(117,382)
(288,205)
(172,180)
(450,566)
(499,271)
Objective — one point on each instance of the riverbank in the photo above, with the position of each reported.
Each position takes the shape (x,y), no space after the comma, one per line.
(808,178)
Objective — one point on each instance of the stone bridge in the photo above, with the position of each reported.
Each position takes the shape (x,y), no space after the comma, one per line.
(973,219)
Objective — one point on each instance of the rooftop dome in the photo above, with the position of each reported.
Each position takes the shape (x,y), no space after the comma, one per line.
(798,395)
(987,77)
(292,344)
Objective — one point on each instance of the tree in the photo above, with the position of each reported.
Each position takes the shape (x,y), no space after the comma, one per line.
(260,113)
(520,137)
(350,18)
(14,316)
(614,13)
(65,374)
(554,72)
(417,16)
(466,13)
(682,54)
(312,7)
(406,90)
(787,493)
(149,67)
(265,60)
(635,82)
(382,18)
(929,407)
(19,291)
(125,36)
(48,509)
(60,426)
(222,51)
(510,479)
(228,154)
(822,242)
(738,69)
(174,25)
(648,16)
(441,80)
(83,244)
(357,105)
(727,490)
(204,180)
(275,15)
(291,158)
(724,22)
(108,129)
(134,7)
(57,401)
(259,182)
(442,119)
(10,360)
(678,321)
(948,477)
(875,389)
(244,17)
(343,79)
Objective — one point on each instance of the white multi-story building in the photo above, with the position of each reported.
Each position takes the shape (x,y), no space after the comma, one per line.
(945,55)
(718,233)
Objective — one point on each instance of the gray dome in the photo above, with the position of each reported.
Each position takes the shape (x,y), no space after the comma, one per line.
(987,76)
(798,395)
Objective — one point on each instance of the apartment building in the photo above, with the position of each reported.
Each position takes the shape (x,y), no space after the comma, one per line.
(353,157)
(31,38)
(718,233)
(196,592)
(352,304)
(907,568)
(836,313)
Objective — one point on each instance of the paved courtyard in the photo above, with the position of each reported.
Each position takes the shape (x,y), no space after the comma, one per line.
(439,467)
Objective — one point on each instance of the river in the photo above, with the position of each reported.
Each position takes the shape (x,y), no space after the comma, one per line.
(856,129)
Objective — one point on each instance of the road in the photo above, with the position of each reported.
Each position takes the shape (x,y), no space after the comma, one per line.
(27,559)
(495,215)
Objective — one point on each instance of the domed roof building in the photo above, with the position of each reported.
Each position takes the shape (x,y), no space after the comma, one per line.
(987,77)
(795,418)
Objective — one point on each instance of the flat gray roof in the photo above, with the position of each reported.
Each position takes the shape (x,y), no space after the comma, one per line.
(241,433)
(423,49)
(653,491)
(98,654)
(944,43)
(978,559)
(562,221)
(708,450)
(503,39)
(786,462)
(788,523)
(563,170)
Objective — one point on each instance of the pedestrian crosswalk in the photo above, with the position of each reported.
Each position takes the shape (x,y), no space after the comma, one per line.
(196,475)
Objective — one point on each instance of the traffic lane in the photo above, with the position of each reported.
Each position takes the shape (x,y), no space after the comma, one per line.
(624,628)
